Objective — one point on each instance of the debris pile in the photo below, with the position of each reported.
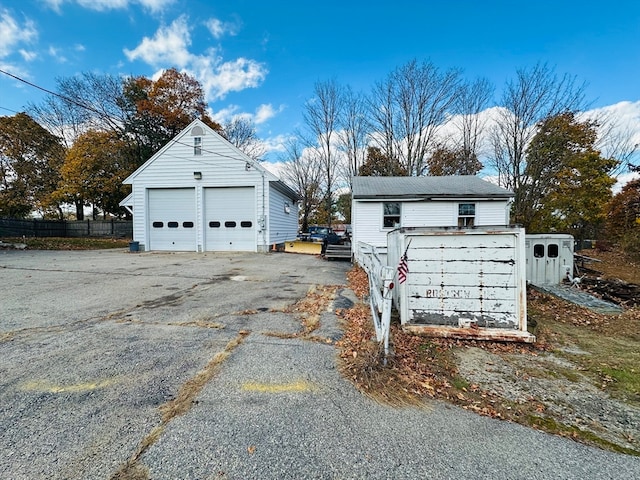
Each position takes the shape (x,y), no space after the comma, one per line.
(613,290)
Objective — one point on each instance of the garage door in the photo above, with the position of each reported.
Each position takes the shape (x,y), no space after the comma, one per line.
(230,219)
(172,219)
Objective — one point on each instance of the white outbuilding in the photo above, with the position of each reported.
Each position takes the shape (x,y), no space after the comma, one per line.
(382,204)
(201,193)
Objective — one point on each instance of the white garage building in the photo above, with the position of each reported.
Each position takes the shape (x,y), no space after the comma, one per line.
(201,193)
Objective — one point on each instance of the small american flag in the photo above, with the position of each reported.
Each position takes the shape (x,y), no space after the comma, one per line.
(403,268)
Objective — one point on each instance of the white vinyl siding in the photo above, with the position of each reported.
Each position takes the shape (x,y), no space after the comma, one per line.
(283,226)
(367,215)
(492,213)
(428,214)
(221,165)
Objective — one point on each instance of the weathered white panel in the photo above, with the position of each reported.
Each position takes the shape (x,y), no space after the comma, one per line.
(499,277)
(461,276)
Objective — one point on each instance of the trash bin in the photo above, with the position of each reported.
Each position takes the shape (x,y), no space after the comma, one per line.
(134,246)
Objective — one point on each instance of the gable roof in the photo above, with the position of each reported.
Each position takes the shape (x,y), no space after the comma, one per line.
(209,132)
(450,186)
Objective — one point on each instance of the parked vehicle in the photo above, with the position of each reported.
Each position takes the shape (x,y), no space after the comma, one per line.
(324,235)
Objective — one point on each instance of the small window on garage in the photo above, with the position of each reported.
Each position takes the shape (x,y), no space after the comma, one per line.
(157,224)
(466,214)
(214,224)
(538,250)
(391,214)
(187,224)
(552,250)
(173,224)
(197,145)
(230,224)
(246,224)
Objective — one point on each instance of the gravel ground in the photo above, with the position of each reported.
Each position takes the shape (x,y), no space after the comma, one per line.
(96,345)
(575,400)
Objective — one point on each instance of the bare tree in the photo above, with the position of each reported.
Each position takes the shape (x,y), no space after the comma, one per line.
(321,116)
(534,95)
(616,141)
(470,101)
(354,135)
(241,132)
(61,118)
(408,108)
(303,173)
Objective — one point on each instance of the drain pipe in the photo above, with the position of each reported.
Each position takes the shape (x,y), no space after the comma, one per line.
(264,216)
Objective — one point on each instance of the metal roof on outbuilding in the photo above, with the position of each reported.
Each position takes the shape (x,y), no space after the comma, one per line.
(451,186)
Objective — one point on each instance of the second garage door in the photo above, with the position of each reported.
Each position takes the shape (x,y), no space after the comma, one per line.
(230,219)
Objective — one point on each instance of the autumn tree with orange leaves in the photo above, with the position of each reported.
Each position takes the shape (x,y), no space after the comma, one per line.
(93,171)
(161,109)
(623,218)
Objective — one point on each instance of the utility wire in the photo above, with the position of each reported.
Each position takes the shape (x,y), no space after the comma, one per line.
(91,109)
(8,110)
(63,97)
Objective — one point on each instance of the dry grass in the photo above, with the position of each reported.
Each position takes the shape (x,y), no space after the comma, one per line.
(308,310)
(190,390)
(82,243)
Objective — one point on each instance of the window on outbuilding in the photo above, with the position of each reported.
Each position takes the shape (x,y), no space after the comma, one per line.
(197,145)
(391,214)
(466,214)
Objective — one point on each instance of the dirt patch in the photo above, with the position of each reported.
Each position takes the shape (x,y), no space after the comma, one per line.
(567,395)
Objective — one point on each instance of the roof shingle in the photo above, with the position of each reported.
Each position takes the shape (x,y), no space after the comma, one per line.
(434,187)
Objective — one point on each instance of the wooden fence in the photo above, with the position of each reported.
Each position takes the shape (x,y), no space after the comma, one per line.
(10,227)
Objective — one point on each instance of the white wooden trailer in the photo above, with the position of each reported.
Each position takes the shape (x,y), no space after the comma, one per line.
(549,258)
(462,283)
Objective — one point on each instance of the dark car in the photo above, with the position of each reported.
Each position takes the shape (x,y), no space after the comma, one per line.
(324,235)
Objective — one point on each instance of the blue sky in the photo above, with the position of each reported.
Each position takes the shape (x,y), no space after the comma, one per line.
(262,58)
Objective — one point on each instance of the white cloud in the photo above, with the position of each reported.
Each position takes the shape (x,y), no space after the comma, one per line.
(219,78)
(13,33)
(103,5)
(55,53)
(275,167)
(218,28)
(619,128)
(265,112)
(27,55)
(168,47)
(622,180)
(224,114)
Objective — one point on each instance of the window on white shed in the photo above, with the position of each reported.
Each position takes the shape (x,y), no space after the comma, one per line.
(197,145)
(391,215)
(466,214)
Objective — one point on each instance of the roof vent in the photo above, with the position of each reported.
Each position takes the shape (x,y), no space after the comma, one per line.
(197,132)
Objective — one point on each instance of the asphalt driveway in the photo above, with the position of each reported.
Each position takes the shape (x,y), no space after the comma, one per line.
(97,350)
